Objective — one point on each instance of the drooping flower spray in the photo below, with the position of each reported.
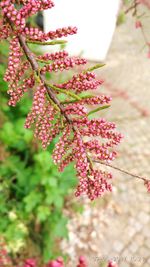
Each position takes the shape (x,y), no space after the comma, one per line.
(82,139)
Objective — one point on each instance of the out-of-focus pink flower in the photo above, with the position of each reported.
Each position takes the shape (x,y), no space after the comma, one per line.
(82,262)
(56,263)
(30,263)
(112,264)
(148,54)
(138,24)
(147,184)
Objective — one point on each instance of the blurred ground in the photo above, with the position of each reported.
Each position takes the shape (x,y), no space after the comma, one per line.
(119,225)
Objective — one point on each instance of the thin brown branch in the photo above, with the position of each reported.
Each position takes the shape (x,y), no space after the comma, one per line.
(144,36)
(129,9)
(121,170)
(134,6)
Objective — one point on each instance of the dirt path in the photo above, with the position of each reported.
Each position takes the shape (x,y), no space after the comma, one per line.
(122,230)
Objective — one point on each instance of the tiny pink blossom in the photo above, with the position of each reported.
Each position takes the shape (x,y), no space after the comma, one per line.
(112,264)
(138,24)
(147,184)
(82,262)
(56,263)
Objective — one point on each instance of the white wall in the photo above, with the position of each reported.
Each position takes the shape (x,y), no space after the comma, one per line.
(95,20)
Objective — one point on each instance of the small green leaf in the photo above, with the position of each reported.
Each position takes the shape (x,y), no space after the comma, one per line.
(54,42)
(60,229)
(59,202)
(49,180)
(74,101)
(43,160)
(121,18)
(43,213)
(32,200)
(95,67)
(98,109)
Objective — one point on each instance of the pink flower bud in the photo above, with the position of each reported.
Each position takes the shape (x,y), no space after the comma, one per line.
(112,264)
(56,263)
(138,24)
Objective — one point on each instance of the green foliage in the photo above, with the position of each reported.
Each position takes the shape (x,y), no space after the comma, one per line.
(32,191)
(127,1)
(121,18)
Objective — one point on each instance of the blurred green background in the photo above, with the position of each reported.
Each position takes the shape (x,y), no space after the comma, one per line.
(32,192)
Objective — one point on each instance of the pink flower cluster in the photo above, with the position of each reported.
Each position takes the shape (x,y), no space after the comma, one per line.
(18,18)
(30,263)
(59,263)
(82,82)
(79,151)
(56,263)
(95,100)
(53,56)
(16,92)
(33,6)
(37,35)
(63,64)
(75,109)
(60,109)
(100,151)
(4,30)
(14,60)
(37,107)
(95,185)
(12,14)
(59,33)
(6,261)
(82,262)
(43,114)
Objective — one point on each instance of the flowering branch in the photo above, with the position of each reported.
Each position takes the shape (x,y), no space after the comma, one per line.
(121,170)
(132,7)
(138,23)
(146,181)
(81,138)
